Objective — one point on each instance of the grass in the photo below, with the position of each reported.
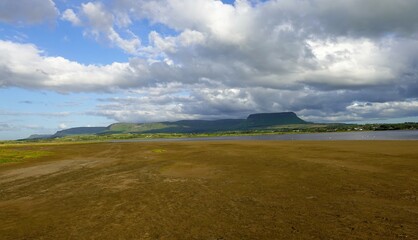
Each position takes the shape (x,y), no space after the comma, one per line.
(158,150)
(212,190)
(9,155)
(122,136)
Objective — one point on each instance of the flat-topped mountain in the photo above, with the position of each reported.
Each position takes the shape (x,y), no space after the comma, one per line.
(253,122)
(272,119)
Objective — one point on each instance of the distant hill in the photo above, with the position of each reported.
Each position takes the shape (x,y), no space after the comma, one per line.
(183,126)
(253,122)
(39,136)
(273,119)
(79,131)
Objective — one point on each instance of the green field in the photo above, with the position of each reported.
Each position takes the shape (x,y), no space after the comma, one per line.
(210,190)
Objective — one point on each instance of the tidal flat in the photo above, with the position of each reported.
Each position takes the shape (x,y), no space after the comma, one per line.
(210,190)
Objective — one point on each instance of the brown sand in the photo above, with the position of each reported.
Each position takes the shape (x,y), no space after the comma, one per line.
(214,190)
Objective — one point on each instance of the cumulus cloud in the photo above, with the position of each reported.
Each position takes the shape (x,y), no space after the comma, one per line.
(325,59)
(69,15)
(24,65)
(182,102)
(384,109)
(27,11)
(99,24)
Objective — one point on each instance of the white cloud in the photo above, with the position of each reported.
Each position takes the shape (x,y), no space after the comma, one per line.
(315,57)
(24,65)
(393,109)
(168,45)
(255,44)
(99,24)
(345,61)
(96,16)
(223,22)
(70,16)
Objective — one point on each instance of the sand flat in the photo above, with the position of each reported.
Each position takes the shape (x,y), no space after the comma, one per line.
(214,190)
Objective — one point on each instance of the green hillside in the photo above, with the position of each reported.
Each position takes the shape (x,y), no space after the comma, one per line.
(253,122)
(80,130)
(273,119)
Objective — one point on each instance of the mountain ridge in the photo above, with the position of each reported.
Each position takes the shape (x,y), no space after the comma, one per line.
(252,122)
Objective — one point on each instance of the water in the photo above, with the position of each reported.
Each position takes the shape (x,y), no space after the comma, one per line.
(376,135)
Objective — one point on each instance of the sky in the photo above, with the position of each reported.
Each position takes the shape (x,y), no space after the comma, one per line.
(92,63)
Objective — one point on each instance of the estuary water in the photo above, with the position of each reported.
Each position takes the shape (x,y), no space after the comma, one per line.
(366,135)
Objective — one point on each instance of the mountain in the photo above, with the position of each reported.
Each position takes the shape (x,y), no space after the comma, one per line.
(257,121)
(39,136)
(79,131)
(273,119)
(183,126)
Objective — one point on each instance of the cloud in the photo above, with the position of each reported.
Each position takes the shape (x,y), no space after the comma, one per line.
(186,102)
(365,18)
(316,57)
(24,65)
(69,15)
(13,128)
(395,109)
(27,11)
(265,44)
(44,114)
(99,25)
